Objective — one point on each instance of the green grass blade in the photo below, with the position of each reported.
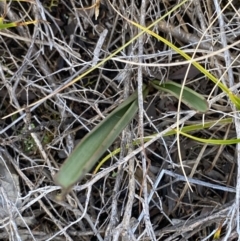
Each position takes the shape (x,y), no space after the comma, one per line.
(96,142)
(189,97)
(234,98)
(15,24)
(211,141)
(194,127)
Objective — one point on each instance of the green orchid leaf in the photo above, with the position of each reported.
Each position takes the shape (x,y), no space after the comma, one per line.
(189,97)
(96,142)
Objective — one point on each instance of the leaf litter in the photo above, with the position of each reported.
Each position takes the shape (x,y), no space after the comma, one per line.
(112,205)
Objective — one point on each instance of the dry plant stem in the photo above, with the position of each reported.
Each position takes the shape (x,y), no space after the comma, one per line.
(178,33)
(32,188)
(181,22)
(14,99)
(178,109)
(127,141)
(12,227)
(221,95)
(99,45)
(181,178)
(60,46)
(199,158)
(145,206)
(91,69)
(126,226)
(178,118)
(73,53)
(235,211)
(229,180)
(127,234)
(119,229)
(227,54)
(198,10)
(113,230)
(109,43)
(35,106)
(39,14)
(76,14)
(114,210)
(123,228)
(47,72)
(12,16)
(114,218)
(233,236)
(191,175)
(36,138)
(81,214)
(208,55)
(195,224)
(220,149)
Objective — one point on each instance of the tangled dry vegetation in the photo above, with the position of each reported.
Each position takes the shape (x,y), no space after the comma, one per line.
(145,197)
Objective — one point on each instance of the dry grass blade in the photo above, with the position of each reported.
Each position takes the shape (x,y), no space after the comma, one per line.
(66,61)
